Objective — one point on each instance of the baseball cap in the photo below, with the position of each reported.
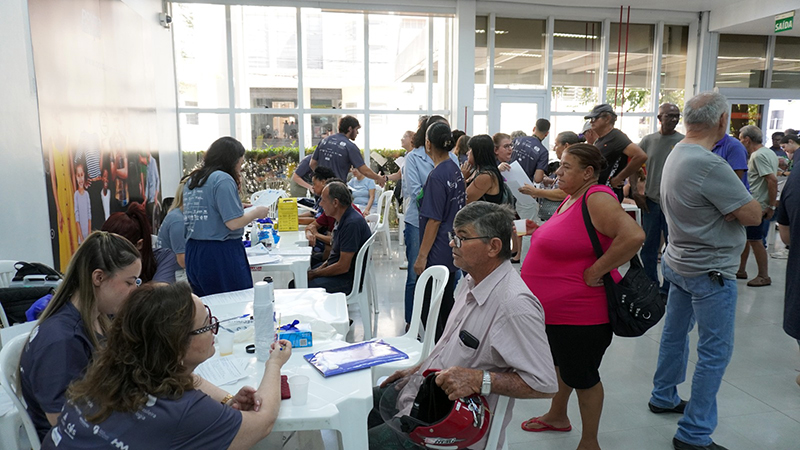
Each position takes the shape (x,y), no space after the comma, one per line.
(600,109)
(586,126)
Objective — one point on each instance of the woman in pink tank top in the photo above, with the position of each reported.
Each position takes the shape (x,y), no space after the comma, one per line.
(563,272)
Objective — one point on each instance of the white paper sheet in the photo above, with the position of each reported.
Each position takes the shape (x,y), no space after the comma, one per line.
(222,371)
(516,178)
(400,161)
(259,260)
(228,298)
(268,196)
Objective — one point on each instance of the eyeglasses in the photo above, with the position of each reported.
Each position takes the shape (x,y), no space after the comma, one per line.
(213,324)
(457,240)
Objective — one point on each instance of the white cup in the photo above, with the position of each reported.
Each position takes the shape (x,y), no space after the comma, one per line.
(298,385)
(225,342)
(522,229)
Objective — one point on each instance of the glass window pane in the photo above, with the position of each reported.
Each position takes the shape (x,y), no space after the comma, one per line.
(480,124)
(786,65)
(673,65)
(481,63)
(519,53)
(265,56)
(260,131)
(333,58)
(398,61)
(741,60)
(385,130)
(632,67)
(442,62)
(576,65)
(635,127)
(560,124)
(201,62)
(199,130)
(318,126)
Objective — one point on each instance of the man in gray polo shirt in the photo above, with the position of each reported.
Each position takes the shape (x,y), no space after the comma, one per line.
(707,208)
(494,342)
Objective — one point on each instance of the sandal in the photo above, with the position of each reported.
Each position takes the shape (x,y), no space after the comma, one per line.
(759,281)
(543,426)
(741,275)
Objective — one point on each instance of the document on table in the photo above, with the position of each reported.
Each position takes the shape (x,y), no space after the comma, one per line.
(228,298)
(221,371)
(516,178)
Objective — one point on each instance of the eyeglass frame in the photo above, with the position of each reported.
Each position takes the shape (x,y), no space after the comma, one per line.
(213,324)
(457,240)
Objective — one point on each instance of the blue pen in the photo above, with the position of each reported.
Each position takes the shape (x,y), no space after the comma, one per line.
(243,316)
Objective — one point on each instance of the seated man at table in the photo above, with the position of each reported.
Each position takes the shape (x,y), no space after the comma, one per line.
(494,342)
(318,180)
(319,232)
(349,234)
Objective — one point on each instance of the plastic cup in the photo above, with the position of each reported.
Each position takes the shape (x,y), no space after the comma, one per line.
(225,342)
(522,229)
(298,385)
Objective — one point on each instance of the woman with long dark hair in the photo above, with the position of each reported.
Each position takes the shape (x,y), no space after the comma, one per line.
(100,275)
(157,265)
(485,183)
(442,196)
(214,218)
(140,391)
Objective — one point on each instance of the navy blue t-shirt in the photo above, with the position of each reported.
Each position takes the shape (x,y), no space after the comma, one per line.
(349,234)
(303,169)
(57,353)
(443,195)
(338,153)
(789,214)
(194,421)
(531,154)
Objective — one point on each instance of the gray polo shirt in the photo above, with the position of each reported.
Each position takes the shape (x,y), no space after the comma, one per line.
(698,189)
(508,321)
(658,147)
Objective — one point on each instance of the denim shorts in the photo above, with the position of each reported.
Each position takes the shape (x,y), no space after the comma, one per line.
(758,232)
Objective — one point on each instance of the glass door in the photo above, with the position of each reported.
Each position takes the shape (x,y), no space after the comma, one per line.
(514,110)
(743,113)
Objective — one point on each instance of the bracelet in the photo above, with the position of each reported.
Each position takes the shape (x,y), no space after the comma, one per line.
(227,399)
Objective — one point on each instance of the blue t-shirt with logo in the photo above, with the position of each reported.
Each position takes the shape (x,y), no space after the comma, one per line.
(531,154)
(171,233)
(731,150)
(206,208)
(443,195)
(194,421)
(57,353)
(338,153)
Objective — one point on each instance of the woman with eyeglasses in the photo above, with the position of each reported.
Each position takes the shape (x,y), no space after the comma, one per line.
(100,276)
(157,265)
(442,196)
(139,392)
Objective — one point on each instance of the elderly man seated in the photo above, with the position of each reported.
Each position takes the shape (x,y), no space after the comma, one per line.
(494,342)
(349,234)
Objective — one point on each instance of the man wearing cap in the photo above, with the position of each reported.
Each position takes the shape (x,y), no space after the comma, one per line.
(494,342)
(657,146)
(616,149)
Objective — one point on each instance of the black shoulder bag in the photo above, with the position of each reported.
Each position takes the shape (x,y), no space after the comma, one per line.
(635,303)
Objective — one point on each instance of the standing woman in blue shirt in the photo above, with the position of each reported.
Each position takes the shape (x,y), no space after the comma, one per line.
(214,218)
(442,196)
(100,275)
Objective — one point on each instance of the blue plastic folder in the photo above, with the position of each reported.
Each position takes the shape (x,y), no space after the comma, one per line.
(354,357)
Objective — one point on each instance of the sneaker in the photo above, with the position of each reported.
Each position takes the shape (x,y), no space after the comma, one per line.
(680,445)
(781,254)
(404,265)
(675,409)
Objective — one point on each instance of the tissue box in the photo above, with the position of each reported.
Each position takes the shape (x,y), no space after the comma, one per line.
(300,337)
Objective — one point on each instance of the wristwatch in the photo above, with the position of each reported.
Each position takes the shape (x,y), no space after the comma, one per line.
(486,386)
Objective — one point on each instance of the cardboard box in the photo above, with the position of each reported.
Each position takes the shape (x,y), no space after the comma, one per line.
(301,337)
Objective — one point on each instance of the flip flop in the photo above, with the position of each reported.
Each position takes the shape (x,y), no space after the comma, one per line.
(545,426)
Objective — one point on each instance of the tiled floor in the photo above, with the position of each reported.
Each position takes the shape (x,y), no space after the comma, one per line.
(759,401)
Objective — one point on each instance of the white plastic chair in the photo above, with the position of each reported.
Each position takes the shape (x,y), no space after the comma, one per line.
(361,292)
(382,226)
(408,343)
(496,428)
(7,271)
(9,378)
(401,223)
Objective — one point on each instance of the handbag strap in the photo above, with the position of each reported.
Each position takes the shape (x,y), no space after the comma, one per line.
(598,250)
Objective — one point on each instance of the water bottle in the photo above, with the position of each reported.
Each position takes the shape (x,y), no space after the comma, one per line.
(264,316)
(269,240)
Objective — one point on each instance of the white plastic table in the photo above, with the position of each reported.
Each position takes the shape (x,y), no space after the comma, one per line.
(341,402)
(637,212)
(295,257)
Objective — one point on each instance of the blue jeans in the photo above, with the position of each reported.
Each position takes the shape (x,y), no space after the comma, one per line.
(702,300)
(654,223)
(411,236)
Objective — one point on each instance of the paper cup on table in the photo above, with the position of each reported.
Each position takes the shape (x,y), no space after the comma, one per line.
(298,384)
(522,229)
(225,341)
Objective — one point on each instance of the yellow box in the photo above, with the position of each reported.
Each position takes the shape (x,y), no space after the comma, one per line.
(287,214)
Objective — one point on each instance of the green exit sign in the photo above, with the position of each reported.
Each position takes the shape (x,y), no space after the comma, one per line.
(784,22)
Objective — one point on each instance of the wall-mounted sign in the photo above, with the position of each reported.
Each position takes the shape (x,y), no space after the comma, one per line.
(784,22)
